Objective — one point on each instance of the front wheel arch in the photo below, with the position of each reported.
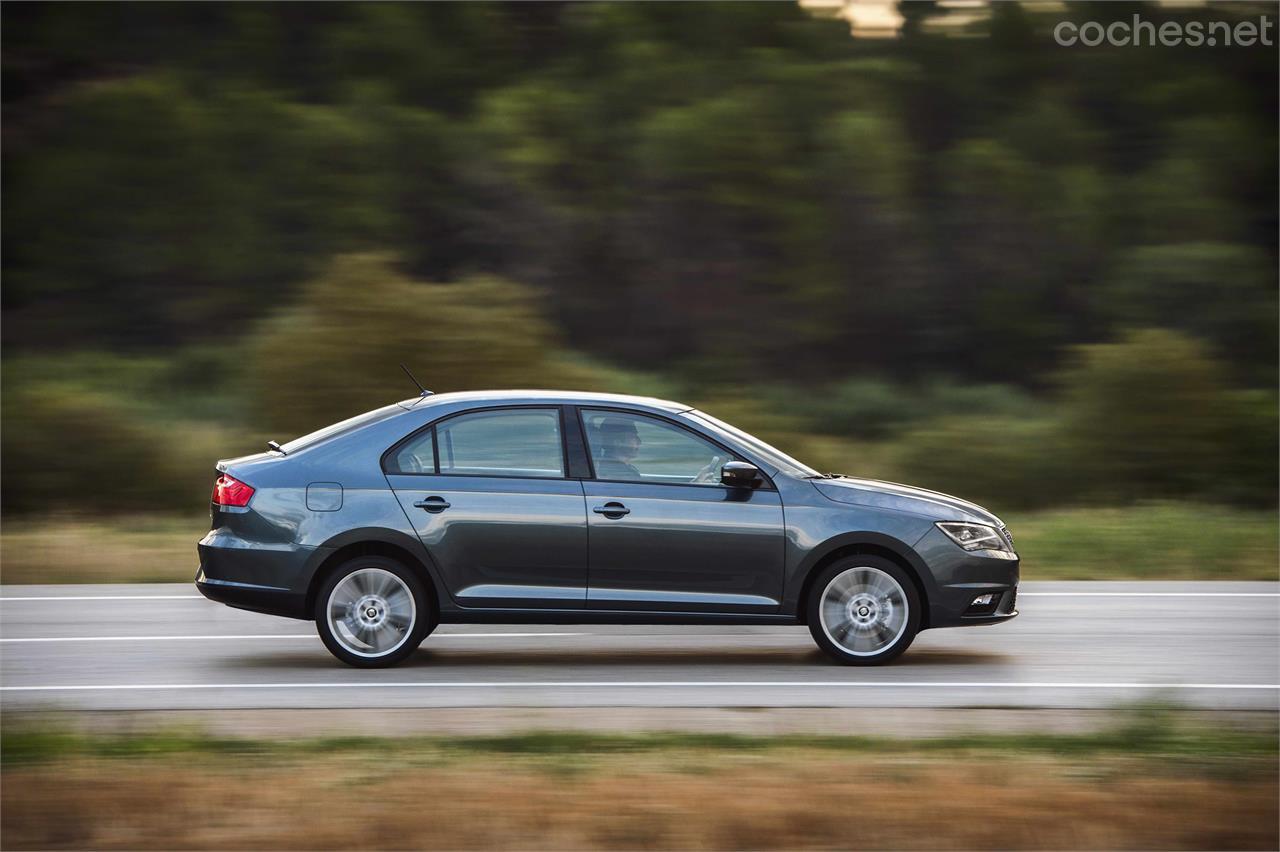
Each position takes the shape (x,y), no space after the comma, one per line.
(870,548)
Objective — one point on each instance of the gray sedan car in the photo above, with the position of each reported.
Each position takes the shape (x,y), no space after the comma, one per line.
(539,506)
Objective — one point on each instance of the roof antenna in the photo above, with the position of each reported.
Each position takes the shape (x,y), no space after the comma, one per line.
(425,392)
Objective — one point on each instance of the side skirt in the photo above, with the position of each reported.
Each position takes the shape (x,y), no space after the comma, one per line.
(579,616)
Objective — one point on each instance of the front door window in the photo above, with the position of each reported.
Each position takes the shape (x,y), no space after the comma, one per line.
(634,448)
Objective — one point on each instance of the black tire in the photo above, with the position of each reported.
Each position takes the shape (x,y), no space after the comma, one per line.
(365,583)
(871,618)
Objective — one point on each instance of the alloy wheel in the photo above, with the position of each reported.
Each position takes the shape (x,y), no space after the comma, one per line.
(371,612)
(863,610)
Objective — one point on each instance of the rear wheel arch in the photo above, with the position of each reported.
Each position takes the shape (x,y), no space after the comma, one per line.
(873,545)
(353,544)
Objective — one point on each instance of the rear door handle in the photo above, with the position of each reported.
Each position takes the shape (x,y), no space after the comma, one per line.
(612,510)
(433,504)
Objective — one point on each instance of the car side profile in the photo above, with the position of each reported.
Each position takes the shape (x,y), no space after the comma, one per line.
(541,506)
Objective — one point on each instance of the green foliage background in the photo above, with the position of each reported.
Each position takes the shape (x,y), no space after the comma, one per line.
(1029,274)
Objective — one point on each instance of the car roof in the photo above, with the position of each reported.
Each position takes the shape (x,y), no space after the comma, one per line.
(515,397)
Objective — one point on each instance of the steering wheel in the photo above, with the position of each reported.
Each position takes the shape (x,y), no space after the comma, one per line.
(710,473)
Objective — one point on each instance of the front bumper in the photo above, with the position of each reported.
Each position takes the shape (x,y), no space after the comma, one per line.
(960,576)
(1005,609)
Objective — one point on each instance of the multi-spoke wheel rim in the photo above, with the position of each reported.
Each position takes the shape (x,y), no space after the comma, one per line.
(371,612)
(863,611)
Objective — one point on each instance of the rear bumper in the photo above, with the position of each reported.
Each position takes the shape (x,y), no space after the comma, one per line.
(256,598)
(272,579)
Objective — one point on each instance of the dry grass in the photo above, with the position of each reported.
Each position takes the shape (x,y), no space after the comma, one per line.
(695,798)
(124,549)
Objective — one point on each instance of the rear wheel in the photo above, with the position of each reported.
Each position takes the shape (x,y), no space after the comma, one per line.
(863,610)
(372,612)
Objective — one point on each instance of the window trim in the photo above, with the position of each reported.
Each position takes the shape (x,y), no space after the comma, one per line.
(394,449)
(738,455)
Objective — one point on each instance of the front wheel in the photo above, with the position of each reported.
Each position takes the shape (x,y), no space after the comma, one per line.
(372,612)
(863,610)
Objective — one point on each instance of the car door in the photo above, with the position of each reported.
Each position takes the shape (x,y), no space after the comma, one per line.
(664,534)
(486,490)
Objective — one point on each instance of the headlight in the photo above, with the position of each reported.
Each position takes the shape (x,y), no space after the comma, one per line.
(975,536)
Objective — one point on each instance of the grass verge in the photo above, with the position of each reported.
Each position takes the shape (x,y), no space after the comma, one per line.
(1157,541)
(1153,781)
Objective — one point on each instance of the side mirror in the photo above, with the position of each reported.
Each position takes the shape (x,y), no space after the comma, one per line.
(739,474)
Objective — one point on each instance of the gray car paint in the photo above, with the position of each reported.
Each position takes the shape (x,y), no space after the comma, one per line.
(503,541)
(685,548)
(523,549)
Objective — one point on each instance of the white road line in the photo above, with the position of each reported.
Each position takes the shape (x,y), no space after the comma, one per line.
(109,598)
(644,684)
(1022,594)
(158,638)
(269,636)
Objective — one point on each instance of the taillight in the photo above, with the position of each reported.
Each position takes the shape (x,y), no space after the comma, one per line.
(229,491)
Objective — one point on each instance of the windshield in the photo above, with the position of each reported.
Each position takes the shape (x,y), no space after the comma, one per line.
(766,452)
(339,428)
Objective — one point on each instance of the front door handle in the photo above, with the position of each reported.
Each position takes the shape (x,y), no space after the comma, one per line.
(433,504)
(612,509)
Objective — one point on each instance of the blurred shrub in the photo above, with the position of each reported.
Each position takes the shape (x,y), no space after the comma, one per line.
(1153,415)
(783,418)
(777,425)
(84,451)
(952,397)
(1150,416)
(1251,469)
(870,408)
(196,382)
(583,372)
(999,462)
(856,408)
(336,352)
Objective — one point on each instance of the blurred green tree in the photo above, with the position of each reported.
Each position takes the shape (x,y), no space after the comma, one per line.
(736,188)
(706,196)
(335,353)
(1222,293)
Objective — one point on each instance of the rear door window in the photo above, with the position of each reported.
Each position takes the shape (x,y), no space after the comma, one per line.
(511,442)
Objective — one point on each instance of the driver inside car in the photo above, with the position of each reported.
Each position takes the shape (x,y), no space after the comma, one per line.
(619,444)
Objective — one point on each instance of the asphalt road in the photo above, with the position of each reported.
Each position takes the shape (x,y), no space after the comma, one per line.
(123,647)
